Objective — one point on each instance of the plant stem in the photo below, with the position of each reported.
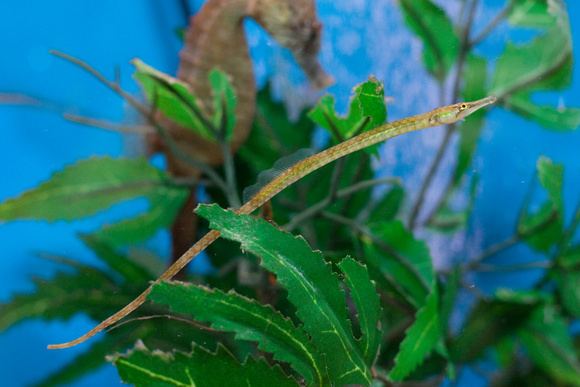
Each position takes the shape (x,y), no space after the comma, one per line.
(144,111)
(229,166)
(340,194)
(496,21)
(361,229)
(450,129)
(107,125)
(483,267)
(509,242)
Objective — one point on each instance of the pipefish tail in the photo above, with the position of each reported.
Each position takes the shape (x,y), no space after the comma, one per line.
(441,116)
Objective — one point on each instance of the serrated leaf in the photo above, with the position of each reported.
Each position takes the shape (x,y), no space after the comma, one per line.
(550,117)
(436,31)
(550,176)
(549,345)
(224,102)
(200,368)
(311,286)
(174,99)
(164,205)
(249,320)
(420,339)
(84,188)
(126,268)
(368,307)
(368,101)
(406,262)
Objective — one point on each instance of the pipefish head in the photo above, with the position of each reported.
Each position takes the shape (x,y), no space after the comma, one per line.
(457,112)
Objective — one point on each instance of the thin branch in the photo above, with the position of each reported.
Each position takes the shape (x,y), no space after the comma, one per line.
(496,21)
(144,111)
(166,316)
(340,194)
(229,166)
(107,125)
(19,99)
(484,267)
(450,129)
(377,241)
(511,241)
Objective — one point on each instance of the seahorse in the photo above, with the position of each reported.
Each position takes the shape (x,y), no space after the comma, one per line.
(216,39)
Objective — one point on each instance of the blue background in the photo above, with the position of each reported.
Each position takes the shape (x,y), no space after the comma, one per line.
(360,38)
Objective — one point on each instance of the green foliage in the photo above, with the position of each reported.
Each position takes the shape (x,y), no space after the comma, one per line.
(548,219)
(437,33)
(145,368)
(404,261)
(312,288)
(546,339)
(367,305)
(420,339)
(567,273)
(175,99)
(249,320)
(368,103)
(224,102)
(84,188)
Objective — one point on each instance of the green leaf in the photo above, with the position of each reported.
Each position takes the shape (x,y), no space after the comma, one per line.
(549,345)
(274,135)
(420,339)
(490,322)
(559,118)
(129,270)
(368,101)
(224,102)
(367,303)
(249,320)
(551,213)
(435,29)
(84,188)
(164,205)
(388,206)
(174,99)
(534,13)
(568,277)
(449,297)
(525,67)
(311,286)
(62,297)
(402,259)
(200,368)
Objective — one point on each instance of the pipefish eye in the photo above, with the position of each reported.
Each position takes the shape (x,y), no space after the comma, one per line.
(463,106)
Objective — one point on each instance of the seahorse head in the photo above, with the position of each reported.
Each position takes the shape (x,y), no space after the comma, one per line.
(294,24)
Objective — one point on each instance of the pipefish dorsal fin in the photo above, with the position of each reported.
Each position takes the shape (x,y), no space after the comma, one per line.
(279,166)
